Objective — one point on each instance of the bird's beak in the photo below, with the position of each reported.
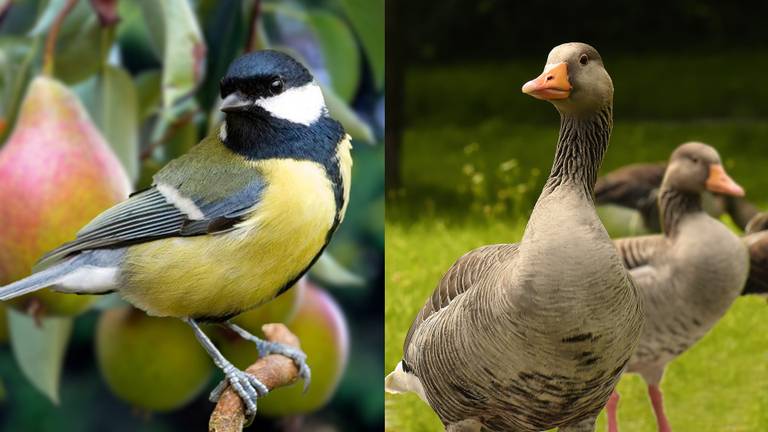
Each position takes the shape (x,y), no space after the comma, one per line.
(235,102)
(719,182)
(552,84)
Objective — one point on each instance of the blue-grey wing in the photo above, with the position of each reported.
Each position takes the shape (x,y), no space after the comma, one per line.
(159,212)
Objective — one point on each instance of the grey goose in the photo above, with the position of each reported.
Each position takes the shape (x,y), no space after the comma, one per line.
(535,335)
(636,187)
(689,276)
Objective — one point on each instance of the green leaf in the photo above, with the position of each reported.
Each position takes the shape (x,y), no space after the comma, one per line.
(39,350)
(153,18)
(149,88)
(183,49)
(223,46)
(353,124)
(21,17)
(328,271)
(337,44)
(16,58)
(367,19)
(45,20)
(111,100)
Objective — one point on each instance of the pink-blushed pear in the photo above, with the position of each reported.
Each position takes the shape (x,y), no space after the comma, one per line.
(322,330)
(56,174)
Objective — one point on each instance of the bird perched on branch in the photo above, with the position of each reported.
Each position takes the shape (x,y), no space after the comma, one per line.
(228,226)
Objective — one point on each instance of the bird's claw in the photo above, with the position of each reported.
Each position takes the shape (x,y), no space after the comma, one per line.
(266,348)
(247,386)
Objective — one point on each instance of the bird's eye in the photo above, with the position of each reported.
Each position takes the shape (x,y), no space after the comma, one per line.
(276,86)
(695,159)
(583,59)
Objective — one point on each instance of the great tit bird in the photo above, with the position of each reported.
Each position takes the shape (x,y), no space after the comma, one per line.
(228,226)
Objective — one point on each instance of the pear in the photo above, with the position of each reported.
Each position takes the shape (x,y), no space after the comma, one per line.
(279,310)
(243,353)
(152,363)
(322,329)
(56,174)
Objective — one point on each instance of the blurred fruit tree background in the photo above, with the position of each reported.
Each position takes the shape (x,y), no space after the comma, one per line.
(95,97)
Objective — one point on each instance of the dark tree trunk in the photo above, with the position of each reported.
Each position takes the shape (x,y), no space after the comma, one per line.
(395,74)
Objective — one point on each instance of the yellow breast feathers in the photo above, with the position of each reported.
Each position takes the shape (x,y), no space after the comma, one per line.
(276,241)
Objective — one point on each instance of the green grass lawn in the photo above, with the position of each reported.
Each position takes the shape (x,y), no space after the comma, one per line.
(465,186)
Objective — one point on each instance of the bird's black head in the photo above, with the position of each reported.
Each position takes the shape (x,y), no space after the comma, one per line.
(263,74)
(271,83)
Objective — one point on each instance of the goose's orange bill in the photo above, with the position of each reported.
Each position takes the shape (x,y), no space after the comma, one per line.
(552,84)
(719,182)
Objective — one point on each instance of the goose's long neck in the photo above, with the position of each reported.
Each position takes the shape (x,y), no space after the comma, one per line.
(674,206)
(580,149)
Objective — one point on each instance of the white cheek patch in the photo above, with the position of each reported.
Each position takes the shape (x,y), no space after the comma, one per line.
(223,132)
(185,205)
(302,105)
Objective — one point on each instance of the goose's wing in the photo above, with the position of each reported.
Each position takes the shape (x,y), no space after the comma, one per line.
(757,245)
(639,251)
(759,222)
(459,279)
(631,186)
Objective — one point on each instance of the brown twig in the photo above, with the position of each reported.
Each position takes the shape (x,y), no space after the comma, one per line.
(273,370)
(168,134)
(53,34)
(253,29)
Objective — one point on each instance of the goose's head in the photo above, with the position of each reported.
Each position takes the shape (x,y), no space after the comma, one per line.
(574,80)
(695,167)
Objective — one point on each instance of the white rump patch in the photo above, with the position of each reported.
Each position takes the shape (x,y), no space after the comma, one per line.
(223,132)
(400,381)
(89,279)
(302,105)
(185,205)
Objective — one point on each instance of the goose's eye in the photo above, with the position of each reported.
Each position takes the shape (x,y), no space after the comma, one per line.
(276,86)
(695,159)
(583,59)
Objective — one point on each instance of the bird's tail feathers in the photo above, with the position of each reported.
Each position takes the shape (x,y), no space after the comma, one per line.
(36,281)
(81,274)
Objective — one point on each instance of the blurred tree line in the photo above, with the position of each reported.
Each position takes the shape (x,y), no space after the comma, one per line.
(454,33)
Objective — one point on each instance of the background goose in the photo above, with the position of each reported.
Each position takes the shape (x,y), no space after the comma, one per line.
(636,187)
(689,276)
(535,335)
(756,240)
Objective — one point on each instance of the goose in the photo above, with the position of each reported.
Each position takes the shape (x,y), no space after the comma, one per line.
(689,276)
(535,335)
(756,239)
(636,187)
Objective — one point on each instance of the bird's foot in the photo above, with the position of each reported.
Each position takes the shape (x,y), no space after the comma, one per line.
(247,386)
(266,348)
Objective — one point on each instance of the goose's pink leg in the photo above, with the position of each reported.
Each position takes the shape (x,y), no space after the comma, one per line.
(611,409)
(657,401)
